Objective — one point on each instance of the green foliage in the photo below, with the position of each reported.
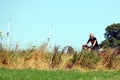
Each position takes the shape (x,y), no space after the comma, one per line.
(112,36)
(75,58)
(86,59)
(89,59)
(56,59)
(28,74)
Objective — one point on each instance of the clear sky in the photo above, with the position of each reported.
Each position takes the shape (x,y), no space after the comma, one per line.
(72,20)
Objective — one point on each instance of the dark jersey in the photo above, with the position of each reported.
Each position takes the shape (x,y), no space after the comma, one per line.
(92,41)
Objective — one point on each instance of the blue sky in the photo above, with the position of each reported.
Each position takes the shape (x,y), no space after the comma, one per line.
(72,20)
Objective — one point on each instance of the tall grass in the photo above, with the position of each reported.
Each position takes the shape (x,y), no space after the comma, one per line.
(94,60)
(86,59)
(40,58)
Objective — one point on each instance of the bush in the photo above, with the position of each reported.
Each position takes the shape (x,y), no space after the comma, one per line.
(86,59)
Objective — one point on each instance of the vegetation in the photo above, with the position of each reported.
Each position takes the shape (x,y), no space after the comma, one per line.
(112,36)
(28,74)
(42,59)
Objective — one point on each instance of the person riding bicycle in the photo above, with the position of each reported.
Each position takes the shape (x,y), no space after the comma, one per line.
(93,41)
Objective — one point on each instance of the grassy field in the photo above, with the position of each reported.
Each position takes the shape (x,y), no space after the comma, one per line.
(28,74)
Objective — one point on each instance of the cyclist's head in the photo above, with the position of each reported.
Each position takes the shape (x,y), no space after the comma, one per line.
(91,35)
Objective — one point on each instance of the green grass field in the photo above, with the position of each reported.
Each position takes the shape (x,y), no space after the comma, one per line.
(28,74)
